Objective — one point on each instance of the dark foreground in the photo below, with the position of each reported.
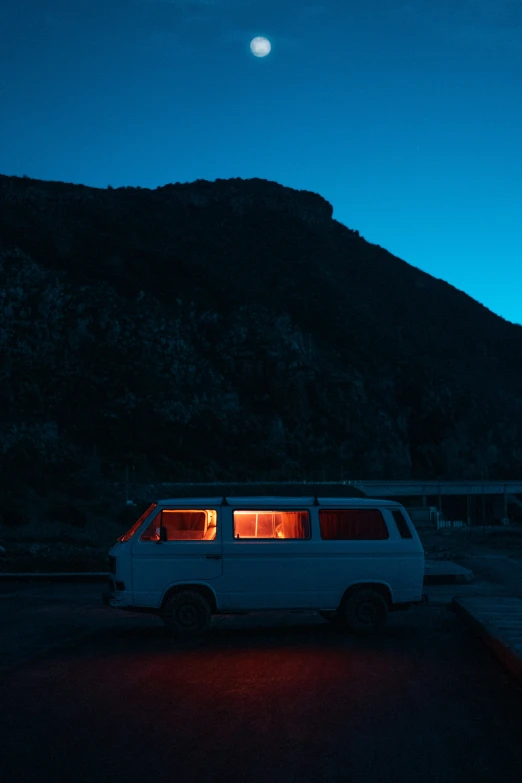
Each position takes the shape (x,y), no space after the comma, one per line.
(106,697)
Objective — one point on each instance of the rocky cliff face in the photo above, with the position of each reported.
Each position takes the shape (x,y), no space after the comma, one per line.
(230,331)
(308,207)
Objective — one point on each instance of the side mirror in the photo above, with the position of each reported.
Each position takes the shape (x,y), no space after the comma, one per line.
(163,533)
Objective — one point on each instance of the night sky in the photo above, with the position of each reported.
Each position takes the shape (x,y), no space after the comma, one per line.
(405,114)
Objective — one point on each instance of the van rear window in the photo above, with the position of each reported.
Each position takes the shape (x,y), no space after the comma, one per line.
(401,523)
(271,524)
(352,524)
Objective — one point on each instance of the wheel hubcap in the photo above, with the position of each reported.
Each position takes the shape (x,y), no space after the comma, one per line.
(187,615)
(367,612)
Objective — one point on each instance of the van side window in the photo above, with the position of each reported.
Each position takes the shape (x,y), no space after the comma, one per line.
(183,525)
(352,524)
(271,524)
(402,525)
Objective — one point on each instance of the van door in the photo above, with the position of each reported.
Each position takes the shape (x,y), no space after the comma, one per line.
(178,546)
(267,560)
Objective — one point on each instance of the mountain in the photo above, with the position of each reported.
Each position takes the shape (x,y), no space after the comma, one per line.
(233,330)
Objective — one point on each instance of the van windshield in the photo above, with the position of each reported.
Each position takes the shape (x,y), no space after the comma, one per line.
(126,536)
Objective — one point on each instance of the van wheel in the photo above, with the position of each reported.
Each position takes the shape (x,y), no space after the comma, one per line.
(186,614)
(365,612)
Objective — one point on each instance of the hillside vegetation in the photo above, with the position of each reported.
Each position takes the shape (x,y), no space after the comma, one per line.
(228,331)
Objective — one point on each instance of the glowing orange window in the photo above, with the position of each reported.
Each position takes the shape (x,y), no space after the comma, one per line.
(271,524)
(183,525)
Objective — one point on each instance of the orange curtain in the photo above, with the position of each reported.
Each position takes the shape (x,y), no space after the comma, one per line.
(357,524)
(295,524)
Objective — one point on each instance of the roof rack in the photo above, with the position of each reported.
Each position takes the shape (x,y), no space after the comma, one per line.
(257,488)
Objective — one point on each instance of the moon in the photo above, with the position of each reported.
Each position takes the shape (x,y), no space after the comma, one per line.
(260,46)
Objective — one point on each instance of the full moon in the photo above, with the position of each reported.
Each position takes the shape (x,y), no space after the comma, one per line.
(260,46)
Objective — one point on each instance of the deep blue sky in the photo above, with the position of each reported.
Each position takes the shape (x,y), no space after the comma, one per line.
(405,114)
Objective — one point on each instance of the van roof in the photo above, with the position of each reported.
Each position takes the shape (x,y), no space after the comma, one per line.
(265,500)
(236,489)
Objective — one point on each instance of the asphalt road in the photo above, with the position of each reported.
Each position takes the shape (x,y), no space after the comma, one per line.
(92,694)
(498,569)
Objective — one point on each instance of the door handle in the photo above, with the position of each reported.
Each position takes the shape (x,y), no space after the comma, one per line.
(213,557)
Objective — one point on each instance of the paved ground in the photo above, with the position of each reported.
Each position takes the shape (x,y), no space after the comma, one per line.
(497,569)
(261,698)
(446,572)
(450,544)
(498,621)
(491,606)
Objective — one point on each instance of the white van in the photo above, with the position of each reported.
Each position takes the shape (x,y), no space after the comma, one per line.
(351,559)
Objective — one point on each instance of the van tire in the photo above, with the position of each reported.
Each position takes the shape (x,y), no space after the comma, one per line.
(365,611)
(186,613)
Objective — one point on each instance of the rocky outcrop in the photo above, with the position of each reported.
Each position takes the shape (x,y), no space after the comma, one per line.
(244,195)
(233,330)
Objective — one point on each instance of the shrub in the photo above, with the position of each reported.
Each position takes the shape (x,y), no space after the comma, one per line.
(69,515)
(13,517)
